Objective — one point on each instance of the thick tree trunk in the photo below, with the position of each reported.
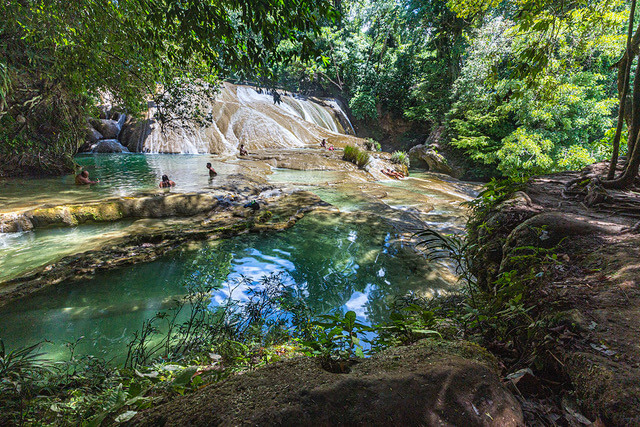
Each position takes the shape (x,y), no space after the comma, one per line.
(625,68)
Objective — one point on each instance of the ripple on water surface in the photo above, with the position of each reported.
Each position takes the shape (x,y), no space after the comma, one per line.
(340,262)
(120,175)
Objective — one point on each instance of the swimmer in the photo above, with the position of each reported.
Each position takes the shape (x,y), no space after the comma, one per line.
(83,179)
(212,171)
(166,182)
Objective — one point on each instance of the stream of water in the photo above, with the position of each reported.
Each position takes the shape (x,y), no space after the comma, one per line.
(343,260)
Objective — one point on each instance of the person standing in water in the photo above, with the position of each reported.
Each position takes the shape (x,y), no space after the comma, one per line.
(166,182)
(83,179)
(212,172)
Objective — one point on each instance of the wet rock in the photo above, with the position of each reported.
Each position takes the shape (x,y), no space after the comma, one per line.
(92,136)
(429,383)
(434,160)
(109,146)
(134,133)
(12,223)
(109,128)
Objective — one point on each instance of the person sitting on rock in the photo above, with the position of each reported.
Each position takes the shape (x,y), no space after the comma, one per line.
(166,182)
(212,171)
(331,148)
(83,179)
(323,144)
(243,151)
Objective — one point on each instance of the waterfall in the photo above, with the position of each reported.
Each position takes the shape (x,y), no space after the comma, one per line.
(243,115)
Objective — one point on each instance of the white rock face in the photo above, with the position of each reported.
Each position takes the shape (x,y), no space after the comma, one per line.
(243,115)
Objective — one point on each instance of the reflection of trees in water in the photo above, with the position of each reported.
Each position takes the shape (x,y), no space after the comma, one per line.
(336,258)
(208,268)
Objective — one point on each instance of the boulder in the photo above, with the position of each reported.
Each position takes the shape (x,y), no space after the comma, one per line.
(109,146)
(432,383)
(110,129)
(434,160)
(134,132)
(91,135)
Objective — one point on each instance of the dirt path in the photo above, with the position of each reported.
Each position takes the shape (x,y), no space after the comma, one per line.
(595,292)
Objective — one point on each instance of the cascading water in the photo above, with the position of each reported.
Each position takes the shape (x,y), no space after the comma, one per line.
(244,116)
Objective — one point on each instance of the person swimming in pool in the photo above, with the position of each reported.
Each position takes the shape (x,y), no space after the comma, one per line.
(212,171)
(166,182)
(83,179)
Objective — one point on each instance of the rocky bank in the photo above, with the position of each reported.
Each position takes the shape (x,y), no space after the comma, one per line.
(591,294)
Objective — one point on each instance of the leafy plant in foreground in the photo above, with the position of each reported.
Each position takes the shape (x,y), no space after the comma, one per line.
(337,338)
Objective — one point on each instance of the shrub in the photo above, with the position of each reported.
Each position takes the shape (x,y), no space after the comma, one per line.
(356,156)
(362,159)
(372,145)
(400,157)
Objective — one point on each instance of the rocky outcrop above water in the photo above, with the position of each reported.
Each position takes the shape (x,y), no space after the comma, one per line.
(153,206)
(102,135)
(109,128)
(430,383)
(109,146)
(427,154)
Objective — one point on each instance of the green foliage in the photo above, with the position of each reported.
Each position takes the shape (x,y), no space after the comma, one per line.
(385,56)
(363,106)
(19,369)
(337,337)
(58,59)
(356,156)
(406,325)
(519,128)
(400,158)
(372,145)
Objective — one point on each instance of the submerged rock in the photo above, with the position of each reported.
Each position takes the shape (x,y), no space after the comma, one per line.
(429,383)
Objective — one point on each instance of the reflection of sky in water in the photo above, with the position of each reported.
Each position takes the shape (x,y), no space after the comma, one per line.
(338,262)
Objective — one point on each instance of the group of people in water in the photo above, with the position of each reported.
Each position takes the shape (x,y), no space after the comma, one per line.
(83,177)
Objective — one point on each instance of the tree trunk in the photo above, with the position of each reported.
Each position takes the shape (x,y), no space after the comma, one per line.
(626,71)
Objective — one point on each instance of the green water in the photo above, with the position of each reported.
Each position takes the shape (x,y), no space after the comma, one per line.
(120,176)
(345,262)
(21,252)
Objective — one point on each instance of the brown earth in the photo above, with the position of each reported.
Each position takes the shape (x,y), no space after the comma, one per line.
(594,293)
(432,383)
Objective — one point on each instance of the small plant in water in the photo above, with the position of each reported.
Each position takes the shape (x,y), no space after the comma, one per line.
(356,156)
(400,158)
